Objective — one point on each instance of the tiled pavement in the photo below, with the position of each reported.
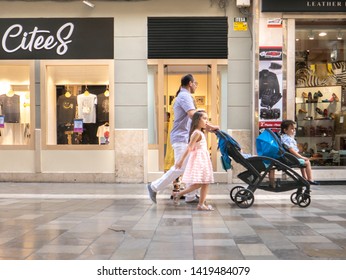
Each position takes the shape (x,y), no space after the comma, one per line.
(53,221)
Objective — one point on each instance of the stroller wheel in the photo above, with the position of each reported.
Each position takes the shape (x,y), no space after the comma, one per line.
(234,191)
(303,200)
(244,198)
(294,198)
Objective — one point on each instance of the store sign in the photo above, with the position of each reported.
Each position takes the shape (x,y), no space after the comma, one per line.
(240,24)
(58,38)
(303,6)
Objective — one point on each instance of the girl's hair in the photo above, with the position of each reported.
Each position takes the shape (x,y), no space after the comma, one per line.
(185,82)
(195,120)
(286,124)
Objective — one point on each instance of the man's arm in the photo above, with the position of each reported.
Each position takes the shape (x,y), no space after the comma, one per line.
(191,112)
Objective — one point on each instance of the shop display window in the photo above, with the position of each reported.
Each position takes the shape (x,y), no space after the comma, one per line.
(77,105)
(321,92)
(318,112)
(83,114)
(15,105)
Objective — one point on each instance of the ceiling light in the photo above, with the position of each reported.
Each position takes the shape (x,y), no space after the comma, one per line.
(322,34)
(311,36)
(88,3)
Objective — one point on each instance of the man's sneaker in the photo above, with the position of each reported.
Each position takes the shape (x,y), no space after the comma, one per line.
(152,194)
(194,200)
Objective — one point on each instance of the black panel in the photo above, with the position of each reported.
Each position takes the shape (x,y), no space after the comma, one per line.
(192,37)
(57,38)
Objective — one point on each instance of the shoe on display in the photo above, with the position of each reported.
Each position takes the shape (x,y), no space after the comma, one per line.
(336,98)
(304,95)
(308,118)
(302,111)
(326,100)
(317,95)
(305,146)
(309,98)
(319,111)
(325,113)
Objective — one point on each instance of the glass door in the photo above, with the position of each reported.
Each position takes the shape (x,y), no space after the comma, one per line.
(203,99)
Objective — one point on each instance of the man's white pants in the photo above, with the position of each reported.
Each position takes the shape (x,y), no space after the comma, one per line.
(168,177)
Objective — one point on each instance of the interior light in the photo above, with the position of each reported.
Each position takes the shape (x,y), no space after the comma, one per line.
(5,87)
(106,93)
(89,4)
(322,34)
(339,36)
(67,92)
(311,36)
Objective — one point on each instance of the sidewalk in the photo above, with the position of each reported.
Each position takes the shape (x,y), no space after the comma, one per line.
(53,221)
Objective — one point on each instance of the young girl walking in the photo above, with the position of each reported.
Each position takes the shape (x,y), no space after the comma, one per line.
(198,172)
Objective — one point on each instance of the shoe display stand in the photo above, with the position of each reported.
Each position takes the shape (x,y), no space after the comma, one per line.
(317,110)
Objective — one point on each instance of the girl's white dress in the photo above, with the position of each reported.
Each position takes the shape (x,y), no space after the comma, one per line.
(199,168)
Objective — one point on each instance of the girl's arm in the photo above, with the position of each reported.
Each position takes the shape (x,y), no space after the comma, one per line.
(195,137)
(210,127)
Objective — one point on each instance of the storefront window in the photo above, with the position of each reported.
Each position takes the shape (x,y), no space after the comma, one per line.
(15,113)
(77,105)
(321,91)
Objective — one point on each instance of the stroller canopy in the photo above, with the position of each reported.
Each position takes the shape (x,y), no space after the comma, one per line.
(268,144)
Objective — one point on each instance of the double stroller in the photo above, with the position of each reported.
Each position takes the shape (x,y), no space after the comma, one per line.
(257,169)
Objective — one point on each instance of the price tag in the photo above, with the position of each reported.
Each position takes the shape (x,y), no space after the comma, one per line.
(341,119)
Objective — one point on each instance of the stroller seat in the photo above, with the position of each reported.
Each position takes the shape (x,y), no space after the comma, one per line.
(287,157)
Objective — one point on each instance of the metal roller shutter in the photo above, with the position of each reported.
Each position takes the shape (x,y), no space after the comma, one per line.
(187,37)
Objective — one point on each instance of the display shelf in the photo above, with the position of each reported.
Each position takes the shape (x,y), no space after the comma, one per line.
(317,109)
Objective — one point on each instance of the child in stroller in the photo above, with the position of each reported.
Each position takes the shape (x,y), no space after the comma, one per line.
(257,169)
(287,137)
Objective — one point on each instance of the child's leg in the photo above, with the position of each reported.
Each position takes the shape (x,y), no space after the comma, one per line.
(303,171)
(272,177)
(308,170)
(201,204)
(203,193)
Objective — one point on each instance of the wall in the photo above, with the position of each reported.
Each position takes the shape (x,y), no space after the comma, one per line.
(131,70)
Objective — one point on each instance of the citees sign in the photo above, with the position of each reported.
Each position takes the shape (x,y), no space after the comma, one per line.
(57,38)
(303,6)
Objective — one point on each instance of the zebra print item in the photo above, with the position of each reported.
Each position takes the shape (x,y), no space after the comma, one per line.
(306,78)
(339,70)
